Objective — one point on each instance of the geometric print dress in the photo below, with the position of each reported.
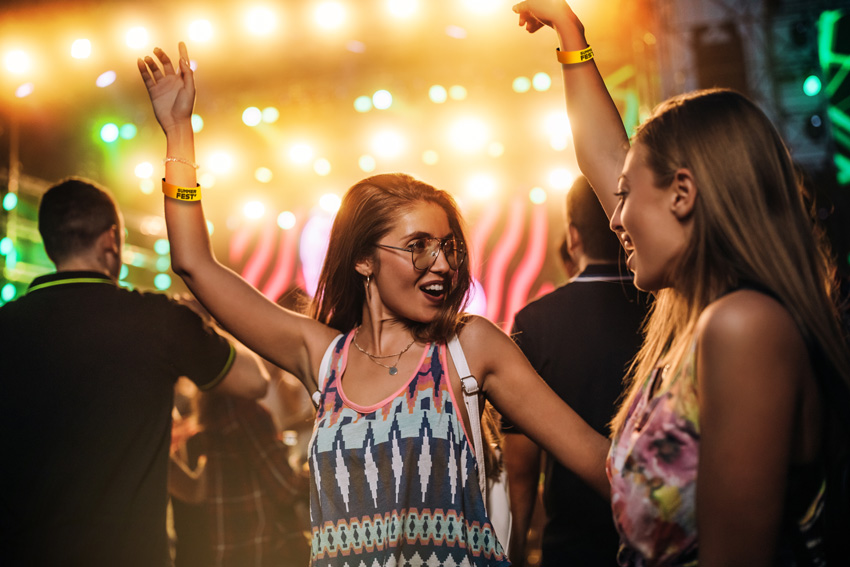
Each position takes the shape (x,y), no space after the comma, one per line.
(396,484)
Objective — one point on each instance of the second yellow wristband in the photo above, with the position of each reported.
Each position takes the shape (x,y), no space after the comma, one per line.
(572,57)
(181,193)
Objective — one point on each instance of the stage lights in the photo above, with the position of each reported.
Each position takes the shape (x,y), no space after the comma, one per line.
(300,153)
(252,116)
(260,21)
(254,210)
(286,220)
(17,62)
(137,37)
(201,31)
(330,15)
(81,49)
(144,170)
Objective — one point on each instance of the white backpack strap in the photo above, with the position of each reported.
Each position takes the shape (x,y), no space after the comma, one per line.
(470,397)
(324,371)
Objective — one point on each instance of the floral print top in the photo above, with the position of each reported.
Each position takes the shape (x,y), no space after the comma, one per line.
(652,468)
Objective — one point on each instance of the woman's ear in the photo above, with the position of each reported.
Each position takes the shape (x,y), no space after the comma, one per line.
(684,194)
(364,267)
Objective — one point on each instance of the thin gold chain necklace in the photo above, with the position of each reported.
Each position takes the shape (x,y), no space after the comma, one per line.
(393,370)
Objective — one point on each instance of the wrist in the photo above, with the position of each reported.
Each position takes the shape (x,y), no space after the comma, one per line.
(179,132)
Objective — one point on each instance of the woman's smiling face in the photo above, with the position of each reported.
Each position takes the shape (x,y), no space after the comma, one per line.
(404,291)
(653,236)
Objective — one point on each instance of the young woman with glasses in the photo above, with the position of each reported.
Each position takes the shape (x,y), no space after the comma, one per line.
(395,479)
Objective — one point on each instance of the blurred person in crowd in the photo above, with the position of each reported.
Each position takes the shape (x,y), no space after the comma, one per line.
(86,395)
(236,495)
(580,339)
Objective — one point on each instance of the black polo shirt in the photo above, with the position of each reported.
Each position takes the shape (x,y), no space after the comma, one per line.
(580,338)
(86,390)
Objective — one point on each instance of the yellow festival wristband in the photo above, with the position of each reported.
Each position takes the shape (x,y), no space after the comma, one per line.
(573,57)
(181,193)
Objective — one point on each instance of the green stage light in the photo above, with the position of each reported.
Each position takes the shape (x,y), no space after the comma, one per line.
(812,85)
(128,131)
(10,201)
(162,282)
(109,133)
(8,292)
(6,245)
(162,246)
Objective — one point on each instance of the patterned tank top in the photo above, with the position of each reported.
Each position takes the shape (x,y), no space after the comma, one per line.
(396,483)
(652,467)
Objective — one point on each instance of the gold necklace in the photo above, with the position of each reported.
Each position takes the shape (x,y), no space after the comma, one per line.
(393,370)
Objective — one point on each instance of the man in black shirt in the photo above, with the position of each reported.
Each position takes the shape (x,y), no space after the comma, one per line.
(580,339)
(86,394)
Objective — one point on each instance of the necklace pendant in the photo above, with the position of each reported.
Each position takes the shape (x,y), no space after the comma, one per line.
(393,370)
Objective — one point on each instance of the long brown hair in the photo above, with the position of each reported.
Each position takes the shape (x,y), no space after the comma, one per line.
(750,226)
(368,211)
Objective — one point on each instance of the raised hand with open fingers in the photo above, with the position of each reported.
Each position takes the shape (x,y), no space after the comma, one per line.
(172,91)
(534,14)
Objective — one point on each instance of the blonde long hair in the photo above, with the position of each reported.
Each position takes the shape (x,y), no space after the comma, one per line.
(750,226)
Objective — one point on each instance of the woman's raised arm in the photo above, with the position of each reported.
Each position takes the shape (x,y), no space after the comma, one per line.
(599,137)
(292,341)
(513,387)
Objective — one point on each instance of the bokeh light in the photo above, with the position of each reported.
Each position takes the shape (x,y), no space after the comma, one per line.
(201,31)
(81,49)
(10,201)
(263,174)
(254,209)
(162,246)
(382,99)
(481,187)
(137,38)
(403,8)
(128,131)
(521,85)
(8,292)
(252,116)
(300,153)
(322,166)
(105,79)
(260,21)
(366,163)
(144,170)
(363,103)
(330,202)
(17,62)
(220,162)
(207,180)
(146,186)
(438,94)
(469,134)
(537,195)
(541,82)
(388,144)
(24,90)
(457,92)
(330,15)
(286,220)
(162,282)
(109,132)
(197,123)
(430,157)
(270,115)
(561,179)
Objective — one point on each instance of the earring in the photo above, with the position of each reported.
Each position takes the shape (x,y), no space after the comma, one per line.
(368,287)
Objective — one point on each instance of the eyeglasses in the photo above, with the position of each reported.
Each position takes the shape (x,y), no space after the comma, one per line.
(424,252)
